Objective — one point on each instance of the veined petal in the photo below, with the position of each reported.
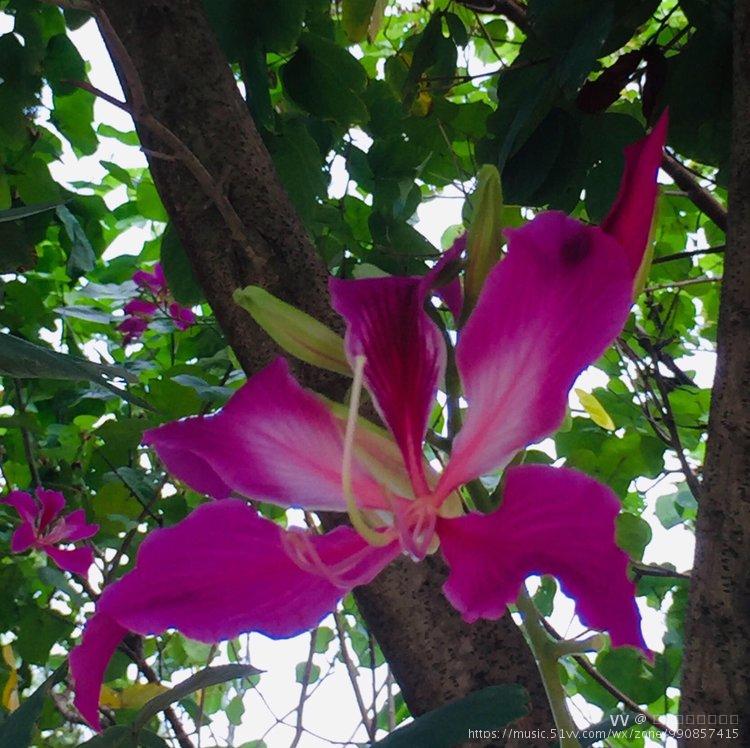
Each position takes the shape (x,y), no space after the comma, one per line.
(273,441)
(551,521)
(28,510)
(404,353)
(548,310)
(224,571)
(88,663)
(629,220)
(76,560)
(140,308)
(52,502)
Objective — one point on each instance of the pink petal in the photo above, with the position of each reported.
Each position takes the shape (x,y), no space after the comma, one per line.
(224,571)
(140,308)
(181,316)
(88,663)
(23,538)
(28,510)
(76,528)
(273,441)
(132,328)
(53,502)
(548,310)
(629,220)
(405,356)
(551,521)
(451,292)
(155,282)
(76,561)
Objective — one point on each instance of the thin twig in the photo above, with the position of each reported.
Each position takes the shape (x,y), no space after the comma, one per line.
(303,689)
(28,444)
(686,282)
(692,253)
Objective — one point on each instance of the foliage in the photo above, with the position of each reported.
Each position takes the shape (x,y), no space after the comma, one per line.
(406,100)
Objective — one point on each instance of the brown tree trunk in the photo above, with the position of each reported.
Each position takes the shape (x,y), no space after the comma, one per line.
(716,675)
(165,52)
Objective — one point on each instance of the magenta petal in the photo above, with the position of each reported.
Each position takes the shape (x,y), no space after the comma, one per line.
(548,310)
(76,561)
(28,510)
(76,528)
(132,327)
(451,292)
(88,663)
(23,538)
(273,441)
(404,352)
(629,220)
(225,570)
(52,502)
(182,316)
(155,282)
(140,308)
(551,521)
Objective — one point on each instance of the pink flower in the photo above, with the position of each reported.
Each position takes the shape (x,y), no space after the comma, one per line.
(139,311)
(181,316)
(43,528)
(155,282)
(548,310)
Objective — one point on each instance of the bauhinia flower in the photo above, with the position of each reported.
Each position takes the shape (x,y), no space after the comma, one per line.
(43,528)
(546,311)
(140,311)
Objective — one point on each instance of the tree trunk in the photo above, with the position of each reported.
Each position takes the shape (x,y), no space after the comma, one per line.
(716,675)
(166,51)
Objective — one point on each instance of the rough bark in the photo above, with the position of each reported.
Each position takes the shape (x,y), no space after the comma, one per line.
(716,677)
(189,88)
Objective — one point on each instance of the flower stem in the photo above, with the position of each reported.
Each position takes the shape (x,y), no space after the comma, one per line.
(546,654)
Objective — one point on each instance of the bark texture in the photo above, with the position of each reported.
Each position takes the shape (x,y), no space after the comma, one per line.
(716,677)
(189,88)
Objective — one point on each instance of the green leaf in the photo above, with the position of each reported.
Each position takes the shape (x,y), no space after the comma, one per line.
(299,164)
(13,214)
(73,115)
(24,360)
(633,534)
(210,676)
(178,270)
(63,63)
(81,258)
(326,81)
(123,736)
(127,138)
(355,18)
(301,669)
(148,201)
(17,730)
(489,709)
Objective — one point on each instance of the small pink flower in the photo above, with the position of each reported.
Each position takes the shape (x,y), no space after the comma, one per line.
(43,528)
(182,316)
(155,282)
(132,328)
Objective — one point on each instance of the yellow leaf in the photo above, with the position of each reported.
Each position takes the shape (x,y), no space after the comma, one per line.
(595,410)
(422,105)
(132,697)
(10,692)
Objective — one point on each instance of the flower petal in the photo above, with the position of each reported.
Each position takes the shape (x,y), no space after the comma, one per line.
(551,521)
(53,502)
(273,441)
(28,510)
(76,561)
(224,571)
(548,310)
(76,527)
(450,292)
(629,220)
(88,663)
(404,352)
(23,538)
(140,308)
(182,316)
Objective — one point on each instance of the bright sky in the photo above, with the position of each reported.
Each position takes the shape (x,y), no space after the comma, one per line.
(331,710)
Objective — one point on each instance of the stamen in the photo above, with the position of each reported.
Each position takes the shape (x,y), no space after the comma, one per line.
(360,524)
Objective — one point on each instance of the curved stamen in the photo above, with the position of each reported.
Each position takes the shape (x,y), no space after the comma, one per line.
(360,524)
(302,551)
